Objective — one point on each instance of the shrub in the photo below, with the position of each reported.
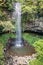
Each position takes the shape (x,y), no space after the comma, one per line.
(35,62)
(39,48)
(3,15)
(6,26)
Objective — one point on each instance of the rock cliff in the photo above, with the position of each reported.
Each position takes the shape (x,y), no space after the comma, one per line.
(36,26)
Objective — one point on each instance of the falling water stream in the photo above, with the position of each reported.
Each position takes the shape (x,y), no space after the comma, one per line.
(17,15)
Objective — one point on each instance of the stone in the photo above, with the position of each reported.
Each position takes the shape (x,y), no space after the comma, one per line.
(35,26)
(20,60)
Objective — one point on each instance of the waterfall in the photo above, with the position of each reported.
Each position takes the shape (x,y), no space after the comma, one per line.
(17,15)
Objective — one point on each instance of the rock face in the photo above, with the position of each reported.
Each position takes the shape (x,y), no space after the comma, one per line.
(36,26)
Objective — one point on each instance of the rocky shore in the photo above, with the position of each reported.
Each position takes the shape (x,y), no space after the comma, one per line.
(19,60)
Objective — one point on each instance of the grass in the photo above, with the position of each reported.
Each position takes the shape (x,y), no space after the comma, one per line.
(31,38)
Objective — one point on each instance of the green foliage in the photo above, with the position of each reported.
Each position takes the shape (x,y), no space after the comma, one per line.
(28,12)
(9,4)
(35,62)
(4,38)
(3,15)
(30,9)
(1,62)
(31,38)
(6,26)
(39,48)
(21,1)
(1,50)
(33,9)
(1,54)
